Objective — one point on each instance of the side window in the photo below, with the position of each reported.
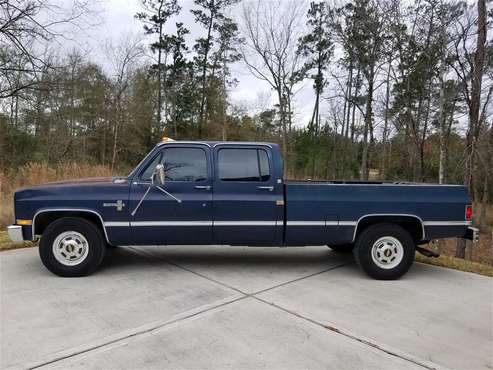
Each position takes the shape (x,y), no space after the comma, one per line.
(180,164)
(243,165)
(264,165)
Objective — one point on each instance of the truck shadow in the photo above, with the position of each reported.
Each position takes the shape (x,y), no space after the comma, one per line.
(226,256)
(249,260)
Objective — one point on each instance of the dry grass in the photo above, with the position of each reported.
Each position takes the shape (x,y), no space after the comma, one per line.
(456,264)
(6,243)
(481,252)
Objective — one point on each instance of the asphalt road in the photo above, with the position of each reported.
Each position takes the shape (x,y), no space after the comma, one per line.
(240,308)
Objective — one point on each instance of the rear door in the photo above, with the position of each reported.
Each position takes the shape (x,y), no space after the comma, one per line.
(245,197)
(160,219)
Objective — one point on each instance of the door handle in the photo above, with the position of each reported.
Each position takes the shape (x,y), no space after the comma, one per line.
(203,187)
(269,188)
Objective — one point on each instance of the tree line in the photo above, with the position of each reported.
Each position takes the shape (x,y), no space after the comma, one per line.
(401,90)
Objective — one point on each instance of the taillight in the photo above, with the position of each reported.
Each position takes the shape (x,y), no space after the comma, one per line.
(468,213)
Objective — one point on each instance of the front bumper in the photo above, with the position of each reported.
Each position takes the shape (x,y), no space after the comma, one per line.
(15,233)
(472,233)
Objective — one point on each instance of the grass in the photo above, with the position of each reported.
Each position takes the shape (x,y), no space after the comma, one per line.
(456,264)
(6,243)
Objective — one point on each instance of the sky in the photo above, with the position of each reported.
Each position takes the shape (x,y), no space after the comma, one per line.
(115,20)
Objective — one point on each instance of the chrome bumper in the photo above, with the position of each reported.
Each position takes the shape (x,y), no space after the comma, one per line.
(472,233)
(15,233)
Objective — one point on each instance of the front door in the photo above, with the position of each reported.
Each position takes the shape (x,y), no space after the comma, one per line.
(246,195)
(161,219)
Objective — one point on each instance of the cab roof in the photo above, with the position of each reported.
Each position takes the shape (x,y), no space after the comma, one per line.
(215,143)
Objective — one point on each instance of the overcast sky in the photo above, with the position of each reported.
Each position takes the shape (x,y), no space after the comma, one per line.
(116,20)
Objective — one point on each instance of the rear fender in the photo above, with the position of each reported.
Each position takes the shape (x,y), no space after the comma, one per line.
(412,223)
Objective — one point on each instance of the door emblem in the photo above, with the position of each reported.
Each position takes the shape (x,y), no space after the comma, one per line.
(118,204)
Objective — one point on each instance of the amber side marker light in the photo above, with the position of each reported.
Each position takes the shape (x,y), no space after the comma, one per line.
(23,222)
(468,213)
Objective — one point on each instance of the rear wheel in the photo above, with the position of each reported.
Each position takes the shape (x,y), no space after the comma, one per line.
(342,248)
(384,251)
(72,246)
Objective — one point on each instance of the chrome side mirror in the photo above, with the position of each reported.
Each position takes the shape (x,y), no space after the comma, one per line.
(159,176)
(158,179)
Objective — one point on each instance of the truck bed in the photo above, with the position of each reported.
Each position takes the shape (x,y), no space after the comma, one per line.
(336,207)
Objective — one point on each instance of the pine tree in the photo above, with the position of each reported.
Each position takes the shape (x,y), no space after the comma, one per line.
(210,14)
(155,16)
(317,47)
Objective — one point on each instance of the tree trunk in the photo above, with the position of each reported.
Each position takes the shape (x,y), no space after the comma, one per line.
(283,127)
(159,79)
(358,75)
(204,74)
(441,123)
(475,101)
(422,141)
(118,117)
(367,130)
(348,97)
(115,141)
(474,105)
(484,204)
(460,249)
(385,124)
(313,132)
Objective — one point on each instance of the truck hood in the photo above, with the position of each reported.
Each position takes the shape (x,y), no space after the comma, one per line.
(89,193)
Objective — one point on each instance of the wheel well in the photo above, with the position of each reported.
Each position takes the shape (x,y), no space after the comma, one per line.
(43,219)
(411,224)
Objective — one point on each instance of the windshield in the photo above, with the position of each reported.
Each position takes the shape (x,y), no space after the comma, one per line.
(131,174)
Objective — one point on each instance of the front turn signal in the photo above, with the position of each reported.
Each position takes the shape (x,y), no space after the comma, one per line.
(23,222)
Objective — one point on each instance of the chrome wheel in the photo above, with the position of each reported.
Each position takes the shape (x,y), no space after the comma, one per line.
(387,252)
(70,248)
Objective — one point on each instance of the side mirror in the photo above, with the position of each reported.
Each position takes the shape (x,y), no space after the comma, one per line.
(159,175)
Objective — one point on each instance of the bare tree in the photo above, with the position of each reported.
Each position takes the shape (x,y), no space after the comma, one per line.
(23,24)
(469,66)
(369,37)
(124,56)
(271,30)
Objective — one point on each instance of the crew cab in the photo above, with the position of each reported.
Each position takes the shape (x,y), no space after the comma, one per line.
(234,193)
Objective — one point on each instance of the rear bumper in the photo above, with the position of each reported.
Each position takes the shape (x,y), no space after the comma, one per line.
(472,233)
(15,233)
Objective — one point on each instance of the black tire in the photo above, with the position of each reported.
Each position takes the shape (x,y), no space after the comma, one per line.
(342,248)
(363,251)
(95,250)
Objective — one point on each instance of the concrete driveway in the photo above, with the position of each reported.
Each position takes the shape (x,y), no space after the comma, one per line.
(241,308)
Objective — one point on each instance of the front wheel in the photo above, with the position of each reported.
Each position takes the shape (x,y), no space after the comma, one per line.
(384,251)
(72,246)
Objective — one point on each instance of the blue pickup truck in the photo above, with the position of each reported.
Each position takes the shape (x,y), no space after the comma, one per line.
(234,193)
